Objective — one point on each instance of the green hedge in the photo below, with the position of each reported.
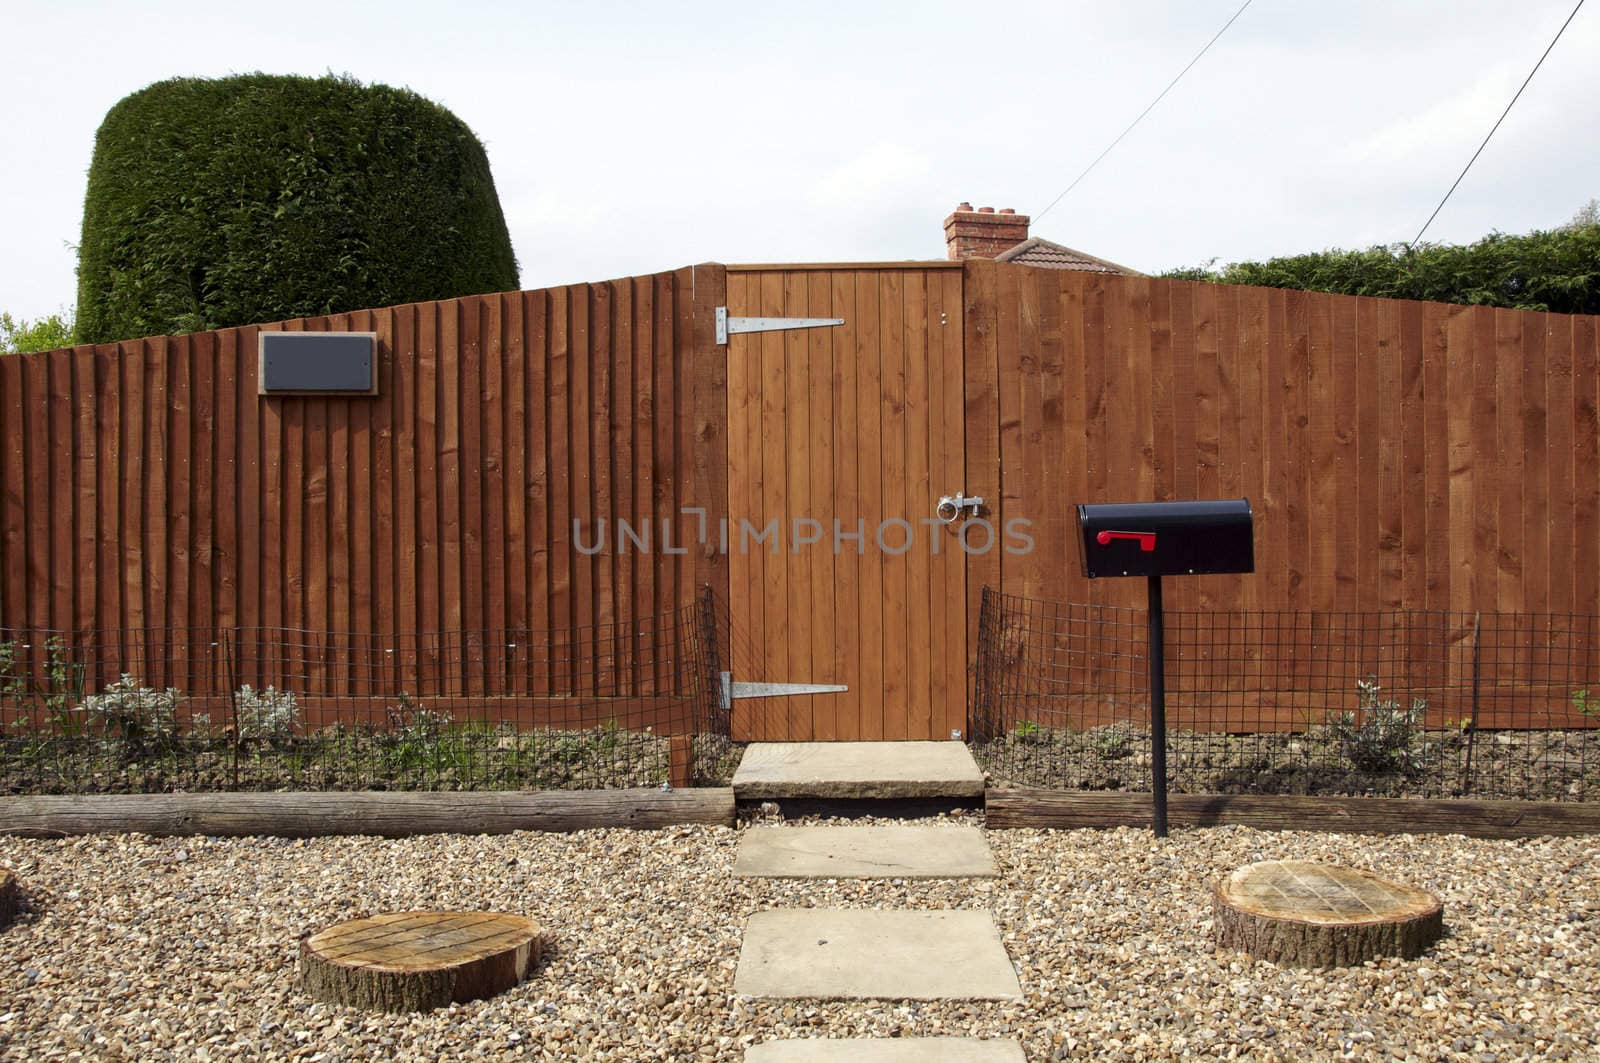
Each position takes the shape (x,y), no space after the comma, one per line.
(255,198)
(1557,270)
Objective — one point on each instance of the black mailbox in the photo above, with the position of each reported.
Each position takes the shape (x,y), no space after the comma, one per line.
(1166,538)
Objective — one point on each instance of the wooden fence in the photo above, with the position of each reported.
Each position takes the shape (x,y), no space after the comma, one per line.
(146,485)
(1398,456)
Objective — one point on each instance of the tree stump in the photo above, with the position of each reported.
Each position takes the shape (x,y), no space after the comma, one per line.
(1317,915)
(416,961)
(9,898)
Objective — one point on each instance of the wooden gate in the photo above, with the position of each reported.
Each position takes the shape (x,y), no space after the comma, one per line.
(836,432)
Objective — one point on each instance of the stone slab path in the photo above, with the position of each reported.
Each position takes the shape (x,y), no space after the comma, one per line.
(887,1050)
(853,954)
(856,770)
(889,851)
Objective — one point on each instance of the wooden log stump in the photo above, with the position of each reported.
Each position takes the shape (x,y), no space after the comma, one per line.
(416,961)
(1318,915)
(9,897)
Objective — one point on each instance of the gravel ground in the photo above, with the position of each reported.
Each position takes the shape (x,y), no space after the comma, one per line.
(140,948)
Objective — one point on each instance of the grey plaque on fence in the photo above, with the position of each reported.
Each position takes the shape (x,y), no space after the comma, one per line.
(319,363)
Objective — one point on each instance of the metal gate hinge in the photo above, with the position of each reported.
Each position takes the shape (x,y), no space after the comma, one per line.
(732,691)
(727,326)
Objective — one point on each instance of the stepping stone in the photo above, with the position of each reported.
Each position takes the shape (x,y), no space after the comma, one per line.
(832,954)
(864,852)
(887,1050)
(853,770)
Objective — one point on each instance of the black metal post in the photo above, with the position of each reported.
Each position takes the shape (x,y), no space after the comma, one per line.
(1158,710)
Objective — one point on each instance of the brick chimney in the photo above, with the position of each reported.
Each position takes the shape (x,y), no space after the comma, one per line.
(983,233)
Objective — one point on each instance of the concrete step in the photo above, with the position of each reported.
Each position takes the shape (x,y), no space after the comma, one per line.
(856,770)
(889,851)
(886,1050)
(853,954)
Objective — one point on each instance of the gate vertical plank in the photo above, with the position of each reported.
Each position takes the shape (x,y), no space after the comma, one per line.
(775,589)
(824,505)
(919,502)
(744,496)
(949,432)
(892,334)
(870,484)
(849,561)
(795,665)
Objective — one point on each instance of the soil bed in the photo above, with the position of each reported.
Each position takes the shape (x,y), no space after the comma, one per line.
(1507,765)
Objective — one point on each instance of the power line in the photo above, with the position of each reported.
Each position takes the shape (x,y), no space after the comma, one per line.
(1144,112)
(1502,118)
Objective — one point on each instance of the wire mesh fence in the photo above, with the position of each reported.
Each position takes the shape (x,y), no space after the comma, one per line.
(152,710)
(1400,703)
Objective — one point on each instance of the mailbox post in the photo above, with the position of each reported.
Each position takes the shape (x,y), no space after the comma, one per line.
(1155,539)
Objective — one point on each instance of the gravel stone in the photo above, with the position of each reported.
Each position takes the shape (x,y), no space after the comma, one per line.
(125,949)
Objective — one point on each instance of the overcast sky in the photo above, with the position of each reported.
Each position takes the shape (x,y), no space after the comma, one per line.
(628,137)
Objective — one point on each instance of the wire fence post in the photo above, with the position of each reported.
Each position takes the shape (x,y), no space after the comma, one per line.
(1472,724)
(233,706)
(983,681)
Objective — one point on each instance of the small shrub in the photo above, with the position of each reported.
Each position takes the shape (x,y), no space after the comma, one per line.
(138,717)
(1028,731)
(269,714)
(1586,703)
(1112,743)
(1379,736)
